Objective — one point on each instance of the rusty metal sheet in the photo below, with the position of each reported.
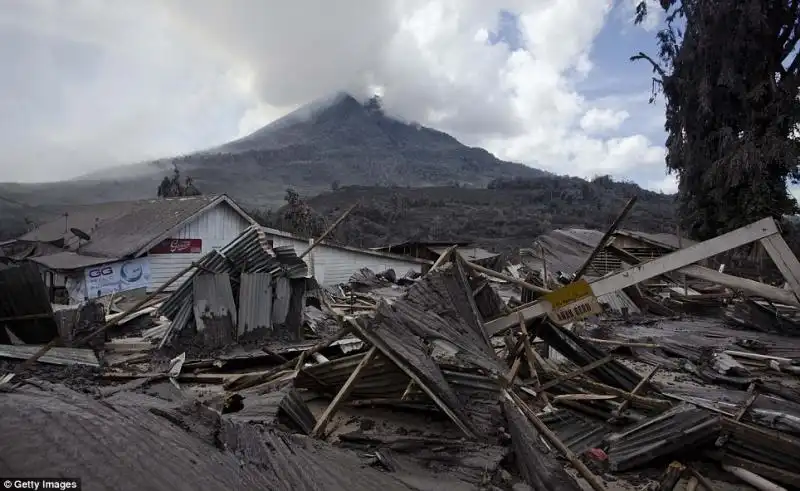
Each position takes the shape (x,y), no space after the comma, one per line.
(255,302)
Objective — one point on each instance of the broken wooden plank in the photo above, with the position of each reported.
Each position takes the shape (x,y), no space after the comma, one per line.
(574,373)
(500,276)
(344,393)
(246,381)
(622,407)
(55,356)
(784,259)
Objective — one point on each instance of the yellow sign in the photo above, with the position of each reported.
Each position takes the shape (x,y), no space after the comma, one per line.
(573,302)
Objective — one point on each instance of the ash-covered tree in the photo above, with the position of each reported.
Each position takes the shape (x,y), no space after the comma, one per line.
(299,218)
(729,72)
(173,187)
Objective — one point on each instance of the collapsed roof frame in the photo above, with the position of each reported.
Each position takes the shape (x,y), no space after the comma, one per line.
(766,231)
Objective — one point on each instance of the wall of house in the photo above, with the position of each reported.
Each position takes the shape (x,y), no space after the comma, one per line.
(216,227)
(334,265)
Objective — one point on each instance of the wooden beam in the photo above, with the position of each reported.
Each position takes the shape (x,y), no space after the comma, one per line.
(443,258)
(574,373)
(344,393)
(622,407)
(602,244)
(504,277)
(784,259)
(684,257)
(328,232)
(751,287)
(650,269)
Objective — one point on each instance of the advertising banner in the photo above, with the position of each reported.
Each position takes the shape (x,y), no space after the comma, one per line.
(178,246)
(117,277)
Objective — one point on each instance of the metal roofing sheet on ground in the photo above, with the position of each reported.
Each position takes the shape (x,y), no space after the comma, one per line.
(59,432)
(55,356)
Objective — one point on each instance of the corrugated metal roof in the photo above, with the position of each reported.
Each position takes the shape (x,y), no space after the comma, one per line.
(429,244)
(669,433)
(668,241)
(471,254)
(59,432)
(564,250)
(120,229)
(577,432)
(67,260)
(368,252)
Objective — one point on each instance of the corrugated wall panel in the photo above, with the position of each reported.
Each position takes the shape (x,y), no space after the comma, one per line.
(217,227)
(332,265)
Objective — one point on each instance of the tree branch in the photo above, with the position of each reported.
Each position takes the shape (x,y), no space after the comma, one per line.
(656,67)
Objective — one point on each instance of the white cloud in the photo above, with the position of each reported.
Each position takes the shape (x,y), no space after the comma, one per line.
(597,120)
(97,82)
(669,184)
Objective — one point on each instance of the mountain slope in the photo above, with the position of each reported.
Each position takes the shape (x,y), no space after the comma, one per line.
(509,214)
(355,144)
(338,140)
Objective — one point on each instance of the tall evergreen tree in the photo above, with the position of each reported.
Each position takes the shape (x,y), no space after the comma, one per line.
(729,71)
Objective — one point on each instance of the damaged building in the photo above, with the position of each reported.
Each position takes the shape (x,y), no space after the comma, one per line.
(548,374)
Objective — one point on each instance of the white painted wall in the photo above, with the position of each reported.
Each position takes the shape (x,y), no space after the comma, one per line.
(216,227)
(334,265)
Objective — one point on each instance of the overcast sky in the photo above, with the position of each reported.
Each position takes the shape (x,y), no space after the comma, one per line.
(93,83)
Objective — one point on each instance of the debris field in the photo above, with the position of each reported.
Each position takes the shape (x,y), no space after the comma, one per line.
(587,364)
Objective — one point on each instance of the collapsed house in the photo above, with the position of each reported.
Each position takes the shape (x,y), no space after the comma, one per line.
(601,379)
(431,251)
(95,250)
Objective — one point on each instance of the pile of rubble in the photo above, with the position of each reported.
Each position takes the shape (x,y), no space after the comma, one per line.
(252,376)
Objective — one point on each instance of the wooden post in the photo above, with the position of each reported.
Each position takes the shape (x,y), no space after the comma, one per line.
(545,282)
(602,244)
(327,232)
(344,393)
(443,258)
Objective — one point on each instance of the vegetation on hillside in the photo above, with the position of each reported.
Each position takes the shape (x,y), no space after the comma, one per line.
(509,213)
(729,71)
(173,187)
